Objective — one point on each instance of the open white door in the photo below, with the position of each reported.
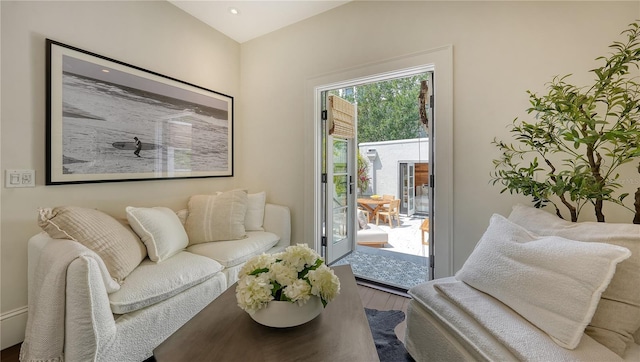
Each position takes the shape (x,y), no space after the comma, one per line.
(338,178)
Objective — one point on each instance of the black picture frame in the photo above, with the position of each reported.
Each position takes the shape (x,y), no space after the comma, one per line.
(99,109)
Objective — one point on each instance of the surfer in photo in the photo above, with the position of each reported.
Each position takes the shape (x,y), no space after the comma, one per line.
(138,147)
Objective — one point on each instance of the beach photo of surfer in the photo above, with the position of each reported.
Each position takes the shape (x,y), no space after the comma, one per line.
(116,122)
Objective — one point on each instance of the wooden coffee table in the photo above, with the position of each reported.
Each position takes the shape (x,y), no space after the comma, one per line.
(224,332)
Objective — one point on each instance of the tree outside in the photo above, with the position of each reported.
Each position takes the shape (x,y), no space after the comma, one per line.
(387,110)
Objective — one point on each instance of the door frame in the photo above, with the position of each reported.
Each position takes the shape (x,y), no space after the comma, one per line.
(439,60)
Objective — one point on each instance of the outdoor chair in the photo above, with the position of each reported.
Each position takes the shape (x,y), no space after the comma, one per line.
(425,229)
(394,210)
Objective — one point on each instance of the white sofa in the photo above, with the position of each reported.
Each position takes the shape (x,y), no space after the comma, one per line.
(493,311)
(151,303)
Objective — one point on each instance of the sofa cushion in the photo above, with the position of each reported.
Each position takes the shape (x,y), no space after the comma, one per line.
(182,216)
(234,252)
(373,234)
(216,217)
(119,247)
(254,216)
(160,229)
(618,313)
(564,278)
(151,282)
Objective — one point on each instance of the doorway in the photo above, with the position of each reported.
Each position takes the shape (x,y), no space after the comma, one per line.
(438,59)
(406,226)
(414,186)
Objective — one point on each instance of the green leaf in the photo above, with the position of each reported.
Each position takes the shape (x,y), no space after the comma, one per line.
(259,271)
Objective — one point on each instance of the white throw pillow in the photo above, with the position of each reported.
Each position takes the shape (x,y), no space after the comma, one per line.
(254,218)
(363,222)
(182,215)
(553,282)
(618,313)
(217,217)
(119,247)
(160,229)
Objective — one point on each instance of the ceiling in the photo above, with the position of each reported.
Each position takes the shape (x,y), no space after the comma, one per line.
(254,18)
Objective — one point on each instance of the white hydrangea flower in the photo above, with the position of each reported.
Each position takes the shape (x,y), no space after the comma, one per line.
(253,292)
(324,283)
(256,291)
(283,274)
(262,261)
(299,291)
(299,256)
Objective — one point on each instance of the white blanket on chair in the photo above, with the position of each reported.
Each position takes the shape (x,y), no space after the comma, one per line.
(522,338)
(44,337)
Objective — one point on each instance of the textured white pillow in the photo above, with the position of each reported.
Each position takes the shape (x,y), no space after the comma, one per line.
(119,247)
(217,217)
(160,229)
(618,313)
(182,215)
(254,217)
(553,282)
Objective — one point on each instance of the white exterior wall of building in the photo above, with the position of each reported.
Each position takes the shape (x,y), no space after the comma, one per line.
(384,159)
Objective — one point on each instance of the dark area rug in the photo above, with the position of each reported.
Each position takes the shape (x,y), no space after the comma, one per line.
(389,347)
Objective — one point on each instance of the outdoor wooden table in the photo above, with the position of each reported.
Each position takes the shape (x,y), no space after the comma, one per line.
(367,202)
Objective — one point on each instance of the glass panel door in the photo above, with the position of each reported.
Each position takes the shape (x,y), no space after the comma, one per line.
(338,243)
(339,154)
(407,188)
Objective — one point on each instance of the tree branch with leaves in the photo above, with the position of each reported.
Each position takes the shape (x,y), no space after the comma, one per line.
(569,155)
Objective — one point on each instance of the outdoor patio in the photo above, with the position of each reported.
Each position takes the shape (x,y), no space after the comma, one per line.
(402,263)
(406,238)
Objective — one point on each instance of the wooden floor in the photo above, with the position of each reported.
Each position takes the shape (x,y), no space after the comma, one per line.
(10,354)
(371,298)
(381,300)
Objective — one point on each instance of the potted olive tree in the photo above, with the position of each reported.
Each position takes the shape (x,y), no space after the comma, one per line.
(569,154)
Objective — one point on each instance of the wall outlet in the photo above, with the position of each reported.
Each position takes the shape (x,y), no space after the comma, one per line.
(20,178)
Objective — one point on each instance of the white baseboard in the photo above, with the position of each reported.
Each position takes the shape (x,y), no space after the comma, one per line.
(12,326)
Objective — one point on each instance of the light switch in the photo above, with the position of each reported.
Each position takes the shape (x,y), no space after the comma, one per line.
(20,178)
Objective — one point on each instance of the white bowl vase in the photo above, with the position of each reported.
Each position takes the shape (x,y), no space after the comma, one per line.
(281,314)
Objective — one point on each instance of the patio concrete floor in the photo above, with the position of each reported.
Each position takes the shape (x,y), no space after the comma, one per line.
(406,238)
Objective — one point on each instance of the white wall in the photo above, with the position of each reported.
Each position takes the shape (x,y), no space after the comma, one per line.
(153,35)
(500,50)
(384,169)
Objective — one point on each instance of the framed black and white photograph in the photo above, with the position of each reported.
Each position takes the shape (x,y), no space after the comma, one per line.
(111,121)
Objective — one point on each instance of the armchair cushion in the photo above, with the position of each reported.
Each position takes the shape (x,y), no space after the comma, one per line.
(618,313)
(564,278)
